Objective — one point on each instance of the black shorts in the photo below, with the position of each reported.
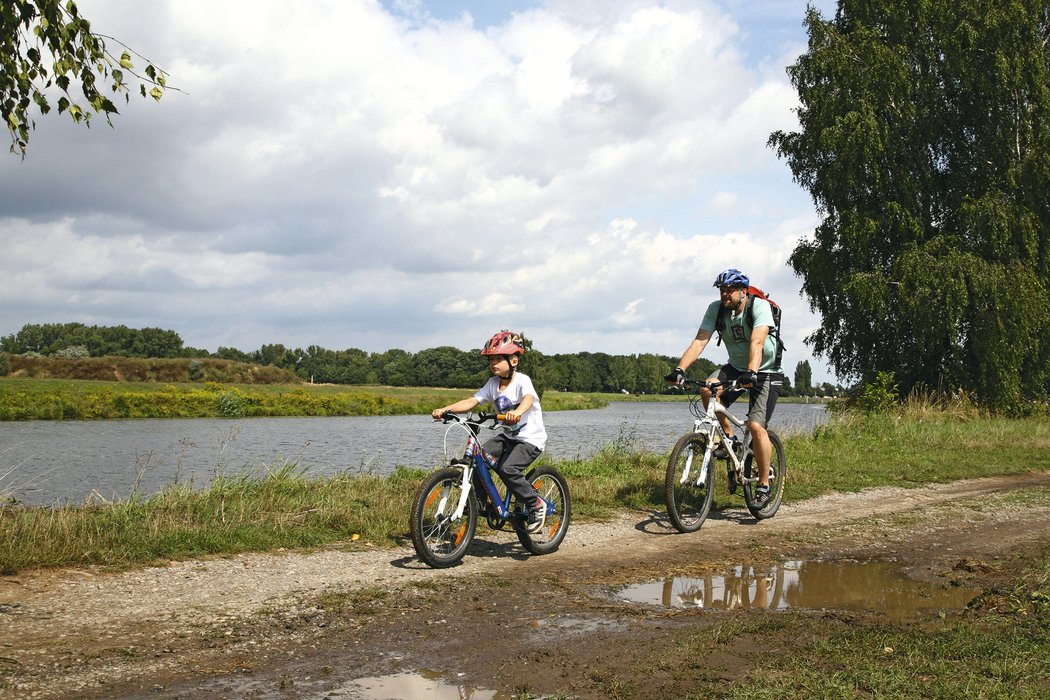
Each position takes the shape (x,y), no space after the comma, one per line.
(761,399)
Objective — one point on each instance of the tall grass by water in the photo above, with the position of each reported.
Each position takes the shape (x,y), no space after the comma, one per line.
(287,508)
(282,509)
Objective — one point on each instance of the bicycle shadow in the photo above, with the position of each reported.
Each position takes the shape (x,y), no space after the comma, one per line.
(479,548)
(659,523)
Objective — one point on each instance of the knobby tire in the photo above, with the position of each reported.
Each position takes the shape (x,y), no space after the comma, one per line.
(553,487)
(689,503)
(439,541)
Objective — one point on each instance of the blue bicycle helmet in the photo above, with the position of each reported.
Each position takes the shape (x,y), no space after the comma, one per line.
(732,278)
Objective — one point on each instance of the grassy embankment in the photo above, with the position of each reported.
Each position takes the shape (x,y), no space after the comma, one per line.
(92,388)
(80,399)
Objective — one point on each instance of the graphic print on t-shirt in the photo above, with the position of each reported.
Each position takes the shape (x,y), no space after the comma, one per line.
(504,404)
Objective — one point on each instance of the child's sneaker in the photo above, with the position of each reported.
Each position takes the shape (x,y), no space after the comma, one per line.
(537,515)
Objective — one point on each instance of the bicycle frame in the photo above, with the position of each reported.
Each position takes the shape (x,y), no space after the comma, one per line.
(707,423)
(689,488)
(476,461)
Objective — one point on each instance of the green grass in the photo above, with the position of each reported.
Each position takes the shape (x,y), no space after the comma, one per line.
(853,453)
(282,509)
(288,508)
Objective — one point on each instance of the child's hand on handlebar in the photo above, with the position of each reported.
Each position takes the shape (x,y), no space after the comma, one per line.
(438,413)
(511,417)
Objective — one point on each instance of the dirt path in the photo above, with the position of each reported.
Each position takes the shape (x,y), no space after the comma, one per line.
(301,625)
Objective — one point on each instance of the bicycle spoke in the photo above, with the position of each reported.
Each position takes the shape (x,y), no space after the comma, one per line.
(689,482)
(439,538)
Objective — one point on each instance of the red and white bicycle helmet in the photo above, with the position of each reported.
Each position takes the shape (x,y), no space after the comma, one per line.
(504,343)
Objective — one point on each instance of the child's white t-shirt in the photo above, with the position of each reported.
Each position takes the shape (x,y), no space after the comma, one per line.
(530,428)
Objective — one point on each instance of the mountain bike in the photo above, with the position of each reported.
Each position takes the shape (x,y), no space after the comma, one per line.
(690,480)
(446,506)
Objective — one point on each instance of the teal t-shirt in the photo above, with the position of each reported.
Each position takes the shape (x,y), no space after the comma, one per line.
(737,334)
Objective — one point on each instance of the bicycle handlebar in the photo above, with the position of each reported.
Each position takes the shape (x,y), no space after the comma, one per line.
(713,384)
(450,417)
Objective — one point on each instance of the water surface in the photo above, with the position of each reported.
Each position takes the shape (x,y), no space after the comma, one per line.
(42,462)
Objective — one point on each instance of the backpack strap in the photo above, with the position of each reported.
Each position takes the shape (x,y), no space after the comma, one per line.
(718,326)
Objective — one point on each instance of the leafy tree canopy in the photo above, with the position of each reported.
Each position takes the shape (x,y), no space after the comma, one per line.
(59,339)
(46,44)
(803,377)
(925,143)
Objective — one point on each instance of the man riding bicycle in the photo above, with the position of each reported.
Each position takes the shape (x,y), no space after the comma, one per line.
(753,363)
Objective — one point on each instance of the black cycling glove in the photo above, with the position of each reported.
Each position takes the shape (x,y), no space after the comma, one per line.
(676,376)
(748,377)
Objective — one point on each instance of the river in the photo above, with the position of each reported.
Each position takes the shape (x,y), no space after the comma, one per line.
(47,462)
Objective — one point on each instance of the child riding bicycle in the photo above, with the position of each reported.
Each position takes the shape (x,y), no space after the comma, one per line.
(753,364)
(523,437)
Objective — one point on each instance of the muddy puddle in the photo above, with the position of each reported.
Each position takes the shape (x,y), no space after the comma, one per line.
(422,684)
(803,585)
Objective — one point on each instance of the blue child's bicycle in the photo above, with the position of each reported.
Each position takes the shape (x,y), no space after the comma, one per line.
(446,507)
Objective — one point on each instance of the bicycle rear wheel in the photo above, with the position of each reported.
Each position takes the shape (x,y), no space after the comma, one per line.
(554,489)
(777,475)
(439,539)
(688,490)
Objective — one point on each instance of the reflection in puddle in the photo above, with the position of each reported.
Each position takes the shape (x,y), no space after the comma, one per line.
(424,684)
(835,585)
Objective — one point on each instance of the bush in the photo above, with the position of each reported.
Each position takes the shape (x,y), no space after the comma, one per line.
(879,396)
(138,369)
(232,404)
(73,352)
(5,364)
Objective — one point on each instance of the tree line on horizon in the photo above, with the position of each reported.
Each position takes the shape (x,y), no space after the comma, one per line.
(443,366)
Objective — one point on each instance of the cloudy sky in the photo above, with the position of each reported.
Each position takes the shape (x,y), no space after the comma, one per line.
(413,173)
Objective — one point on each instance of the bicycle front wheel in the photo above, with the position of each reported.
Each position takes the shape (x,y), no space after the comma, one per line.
(554,489)
(440,539)
(688,489)
(777,475)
